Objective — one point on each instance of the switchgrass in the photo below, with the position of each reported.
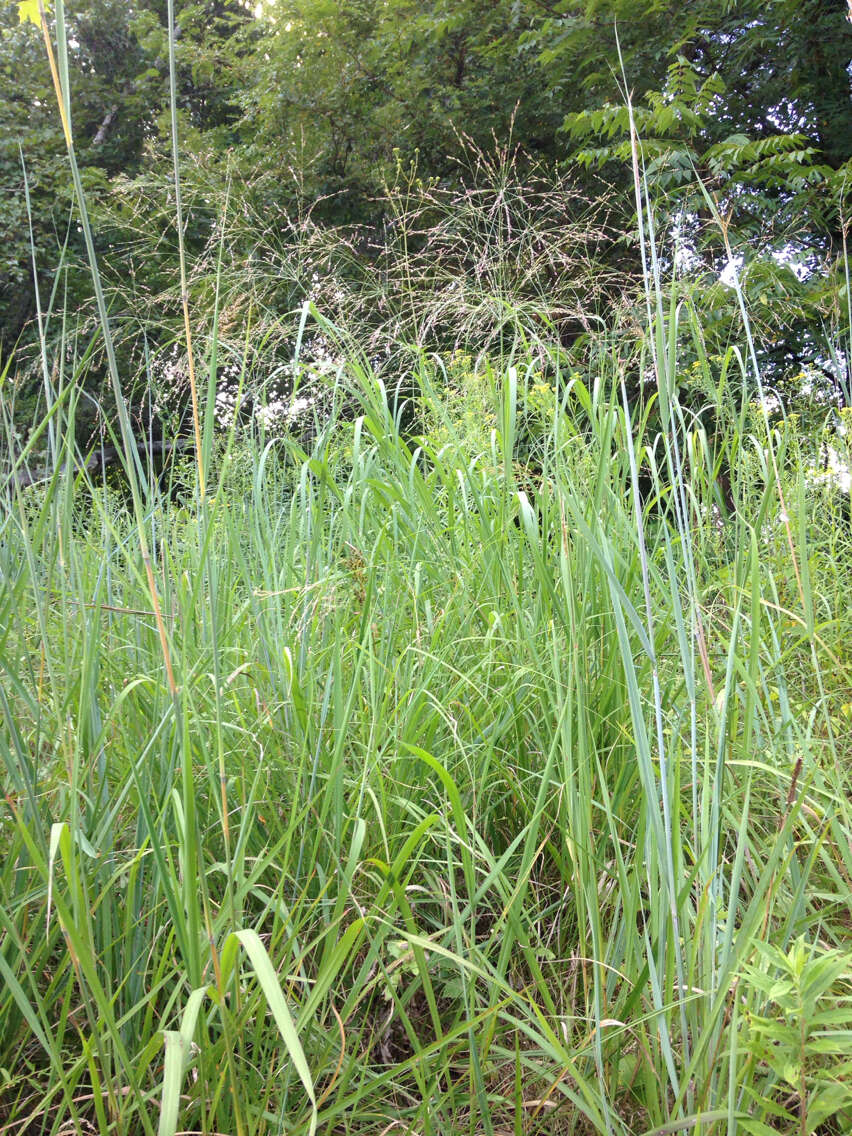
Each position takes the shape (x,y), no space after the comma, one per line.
(468,763)
(484,832)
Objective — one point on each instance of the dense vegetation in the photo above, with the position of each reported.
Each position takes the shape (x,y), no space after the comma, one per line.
(427,698)
(314,111)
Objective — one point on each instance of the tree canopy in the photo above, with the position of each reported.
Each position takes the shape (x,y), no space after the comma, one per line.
(742,110)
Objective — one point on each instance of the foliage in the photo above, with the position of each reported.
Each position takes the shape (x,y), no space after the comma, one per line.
(318,106)
(476,769)
(119,66)
(416,720)
(801,1033)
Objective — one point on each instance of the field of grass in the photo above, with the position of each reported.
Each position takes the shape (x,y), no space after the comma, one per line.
(469,760)
(490,796)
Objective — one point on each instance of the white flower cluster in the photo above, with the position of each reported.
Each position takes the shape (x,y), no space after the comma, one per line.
(335,293)
(317,357)
(833,471)
(279,403)
(281,413)
(227,389)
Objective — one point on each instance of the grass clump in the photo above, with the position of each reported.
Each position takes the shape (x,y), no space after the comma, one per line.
(481,789)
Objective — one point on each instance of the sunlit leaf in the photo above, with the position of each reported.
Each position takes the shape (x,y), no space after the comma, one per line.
(29,12)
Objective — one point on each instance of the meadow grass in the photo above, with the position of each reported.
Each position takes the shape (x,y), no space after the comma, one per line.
(480,787)
(464,763)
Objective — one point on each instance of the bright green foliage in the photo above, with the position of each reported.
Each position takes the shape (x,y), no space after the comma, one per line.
(753,97)
(28,12)
(444,745)
(473,756)
(749,101)
(802,1030)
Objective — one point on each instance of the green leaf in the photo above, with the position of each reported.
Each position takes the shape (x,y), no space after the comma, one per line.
(29,12)
(756,1128)
(825,1102)
(277,1003)
(178,1045)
